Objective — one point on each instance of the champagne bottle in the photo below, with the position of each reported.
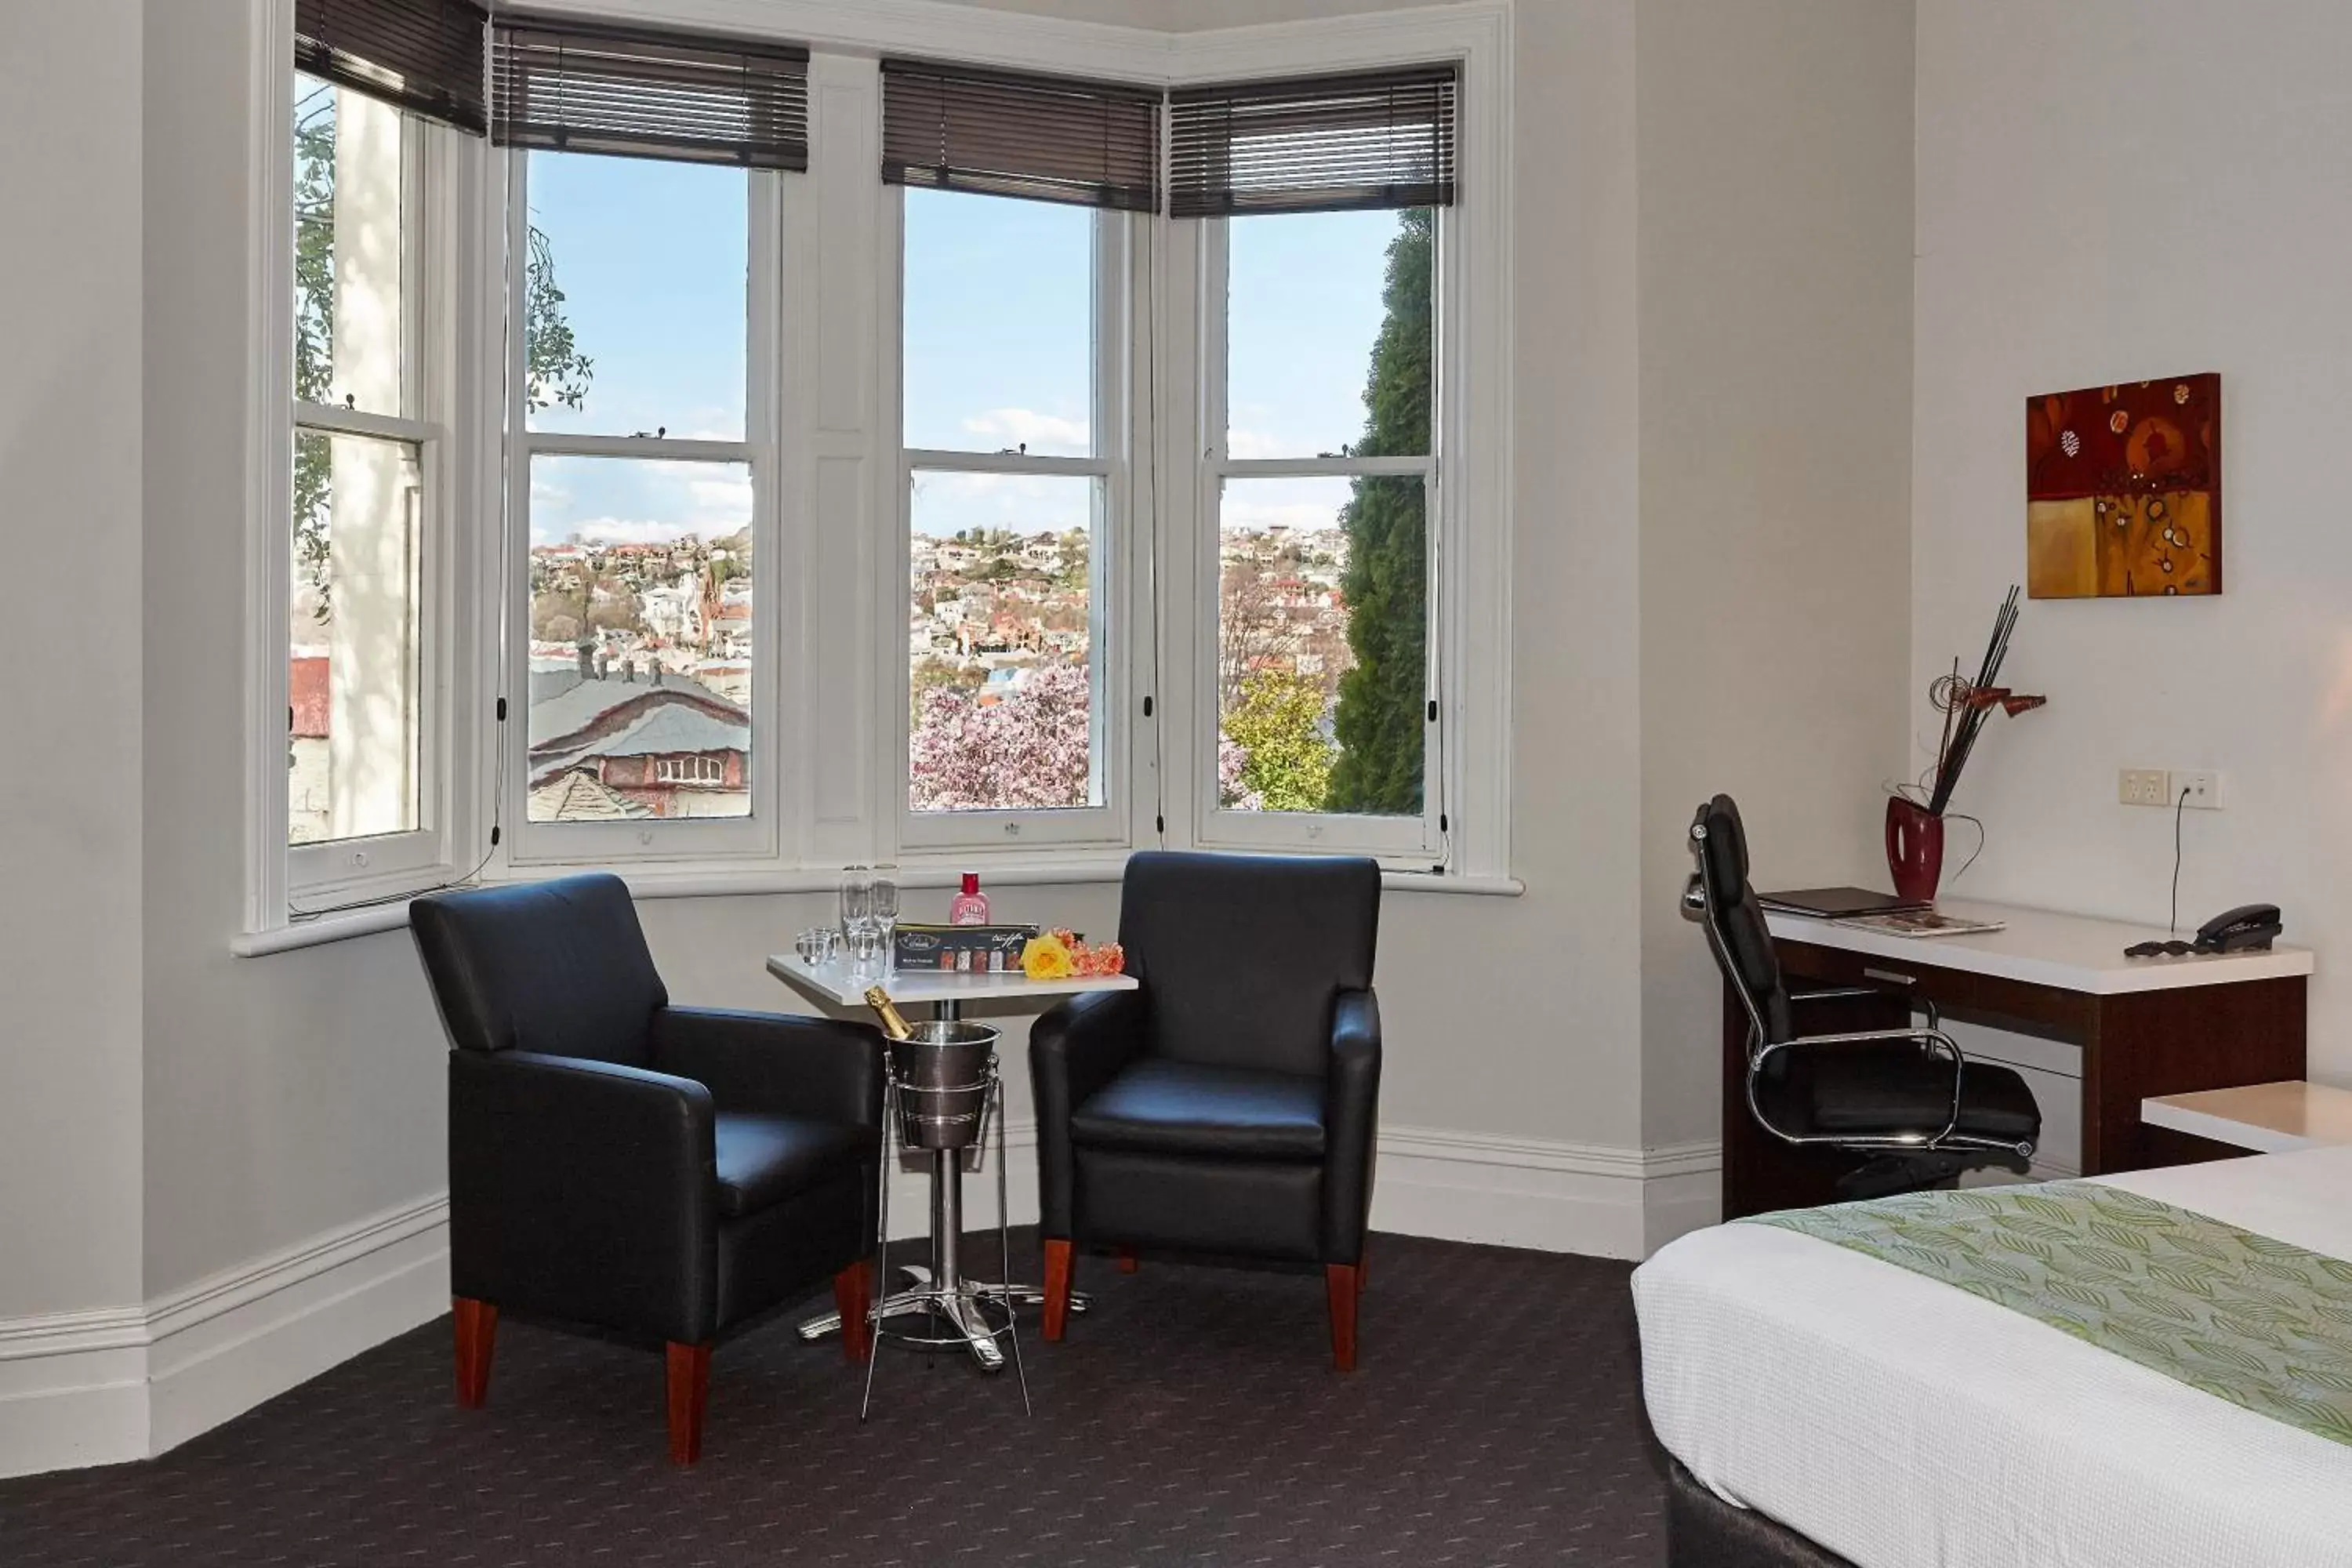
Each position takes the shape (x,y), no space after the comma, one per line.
(893,1022)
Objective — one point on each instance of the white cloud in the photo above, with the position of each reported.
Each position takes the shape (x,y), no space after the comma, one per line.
(1248,444)
(629,531)
(1258,515)
(1041,433)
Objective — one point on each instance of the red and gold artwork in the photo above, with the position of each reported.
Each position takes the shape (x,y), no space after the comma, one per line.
(2123,490)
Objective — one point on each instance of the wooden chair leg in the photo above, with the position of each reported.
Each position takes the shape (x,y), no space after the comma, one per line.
(1057,1289)
(1128,1263)
(689,1396)
(477,1330)
(852,1294)
(1340,1288)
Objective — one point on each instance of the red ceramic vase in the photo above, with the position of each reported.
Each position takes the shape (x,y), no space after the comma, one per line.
(1915,849)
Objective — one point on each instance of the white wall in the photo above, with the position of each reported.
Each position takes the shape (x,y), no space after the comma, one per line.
(1776,205)
(294,1103)
(69,512)
(2111,190)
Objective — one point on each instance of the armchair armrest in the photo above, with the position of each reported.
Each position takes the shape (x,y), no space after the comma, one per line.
(1075,1047)
(1351,1108)
(1933,1040)
(823,1068)
(584,1189)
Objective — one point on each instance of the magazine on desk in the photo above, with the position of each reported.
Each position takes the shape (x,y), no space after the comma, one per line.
(1921,923)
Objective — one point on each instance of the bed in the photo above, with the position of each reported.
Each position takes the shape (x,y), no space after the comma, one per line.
(1824,1405)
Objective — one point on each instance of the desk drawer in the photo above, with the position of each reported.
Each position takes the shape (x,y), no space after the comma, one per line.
(1950,988)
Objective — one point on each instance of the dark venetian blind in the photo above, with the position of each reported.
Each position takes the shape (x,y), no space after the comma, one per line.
(1051,139)
(581,86)
(424,55)
(1373,139)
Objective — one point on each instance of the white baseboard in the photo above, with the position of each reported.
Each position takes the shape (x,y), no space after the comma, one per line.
(97,1388)
(102,1387)
(1589,1198)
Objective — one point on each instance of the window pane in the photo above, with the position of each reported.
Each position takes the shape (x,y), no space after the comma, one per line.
(1322,652)
(1000,637)
(1328,334)
(640,639)
(637,275)
(998,324)
(354,678)
(348,180)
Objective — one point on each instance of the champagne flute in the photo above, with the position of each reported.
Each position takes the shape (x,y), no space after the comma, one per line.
(857,906)
(886,913)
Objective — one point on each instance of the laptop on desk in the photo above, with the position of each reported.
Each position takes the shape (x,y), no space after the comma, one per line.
(1838,903)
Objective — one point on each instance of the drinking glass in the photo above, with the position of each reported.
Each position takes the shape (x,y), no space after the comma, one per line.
(856,897)
(885,914)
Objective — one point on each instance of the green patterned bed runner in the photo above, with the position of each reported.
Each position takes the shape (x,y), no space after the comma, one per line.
(2261,1323)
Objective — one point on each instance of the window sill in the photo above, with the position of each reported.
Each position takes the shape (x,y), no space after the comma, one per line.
(343,926)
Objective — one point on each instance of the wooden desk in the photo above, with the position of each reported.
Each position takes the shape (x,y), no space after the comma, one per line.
(2147,1026)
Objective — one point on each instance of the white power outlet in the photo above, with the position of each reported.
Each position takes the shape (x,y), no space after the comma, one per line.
(2203,790)
(2143,786)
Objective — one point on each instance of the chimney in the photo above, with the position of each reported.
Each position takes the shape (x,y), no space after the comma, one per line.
(587,651)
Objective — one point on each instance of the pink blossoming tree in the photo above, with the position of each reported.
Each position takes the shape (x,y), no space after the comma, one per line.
(1029,750)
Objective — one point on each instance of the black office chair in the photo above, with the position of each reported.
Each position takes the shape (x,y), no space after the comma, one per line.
(665,1173)
(1904,1097)
(1227,1107)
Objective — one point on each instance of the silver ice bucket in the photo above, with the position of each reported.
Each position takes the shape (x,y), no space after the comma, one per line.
(945,1069)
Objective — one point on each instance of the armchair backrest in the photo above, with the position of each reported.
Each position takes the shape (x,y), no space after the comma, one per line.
(1736,931)
(558,967)
(1240,956)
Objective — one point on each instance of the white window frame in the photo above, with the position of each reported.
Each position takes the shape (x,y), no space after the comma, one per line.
(548,845)
(1413,841)
(1107,823)
(289,882)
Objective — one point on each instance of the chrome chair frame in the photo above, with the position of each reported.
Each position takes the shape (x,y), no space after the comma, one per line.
(1698,900)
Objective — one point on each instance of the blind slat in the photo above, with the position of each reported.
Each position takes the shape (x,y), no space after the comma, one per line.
(569,85)
(1051,139)
(425,55)
(1377,138)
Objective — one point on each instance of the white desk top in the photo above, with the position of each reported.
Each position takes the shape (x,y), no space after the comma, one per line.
(2271,1118)
(2071,953)
(834,983)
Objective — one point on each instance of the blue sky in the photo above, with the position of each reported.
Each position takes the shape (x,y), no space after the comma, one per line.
(998,352)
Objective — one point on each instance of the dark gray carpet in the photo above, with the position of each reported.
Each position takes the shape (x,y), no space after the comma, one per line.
(1192,1417)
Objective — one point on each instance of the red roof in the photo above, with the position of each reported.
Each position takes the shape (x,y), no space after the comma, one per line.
(305,691)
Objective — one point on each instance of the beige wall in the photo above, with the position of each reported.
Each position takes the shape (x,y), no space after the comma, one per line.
(69,514)
(2042,268)
(1775,176)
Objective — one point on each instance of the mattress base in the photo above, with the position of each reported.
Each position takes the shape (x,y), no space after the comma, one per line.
(1705,1531)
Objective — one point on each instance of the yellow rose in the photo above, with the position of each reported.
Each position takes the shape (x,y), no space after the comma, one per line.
(1044,958)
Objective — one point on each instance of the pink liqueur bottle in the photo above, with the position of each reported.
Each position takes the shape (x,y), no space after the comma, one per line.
(969,908)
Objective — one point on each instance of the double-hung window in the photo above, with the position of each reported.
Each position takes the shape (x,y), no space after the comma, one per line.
(641,270)
(1322,238)
(360,578)
(1012,372)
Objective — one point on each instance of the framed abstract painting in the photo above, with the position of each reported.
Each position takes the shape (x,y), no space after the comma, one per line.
(2123,490)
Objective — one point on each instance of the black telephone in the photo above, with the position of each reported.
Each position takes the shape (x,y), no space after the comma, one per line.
(2249,928)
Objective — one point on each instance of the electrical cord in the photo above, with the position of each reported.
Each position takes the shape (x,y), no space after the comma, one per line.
(2172,921)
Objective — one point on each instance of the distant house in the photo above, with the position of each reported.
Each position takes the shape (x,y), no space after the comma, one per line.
(661,743)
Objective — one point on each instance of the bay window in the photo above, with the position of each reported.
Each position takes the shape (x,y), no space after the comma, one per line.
(1066,466)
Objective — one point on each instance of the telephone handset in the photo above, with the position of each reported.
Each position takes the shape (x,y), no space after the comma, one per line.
(2249,928)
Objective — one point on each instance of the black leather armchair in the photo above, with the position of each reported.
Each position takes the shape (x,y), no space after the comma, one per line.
(1906,1101)
(615,1160)
(1228,1106)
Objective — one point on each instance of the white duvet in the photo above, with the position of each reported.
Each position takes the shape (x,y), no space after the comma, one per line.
(1903,1424)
